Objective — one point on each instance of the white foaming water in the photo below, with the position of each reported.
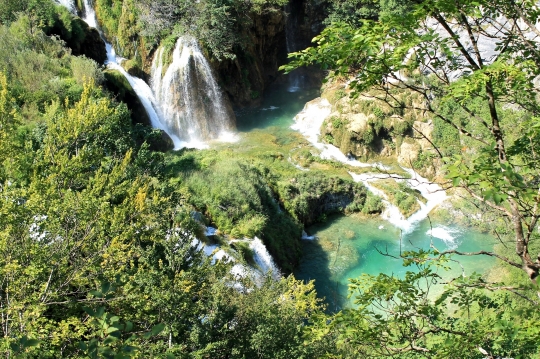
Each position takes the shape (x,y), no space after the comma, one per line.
(445,234)
(263,259)
(432,192)
(309,121)
(189,98)
(142,90)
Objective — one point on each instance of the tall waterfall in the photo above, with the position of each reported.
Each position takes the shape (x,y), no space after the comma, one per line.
(188,96)
(296,79)
(142,90)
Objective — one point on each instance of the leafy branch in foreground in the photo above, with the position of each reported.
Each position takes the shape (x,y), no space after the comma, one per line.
(414,316)
(479,58)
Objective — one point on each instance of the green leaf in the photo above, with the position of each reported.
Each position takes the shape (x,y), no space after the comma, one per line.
(155,331)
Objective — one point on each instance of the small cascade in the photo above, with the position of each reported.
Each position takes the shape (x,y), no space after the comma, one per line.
(263,259)
(447,235)
(309,121)
(296,79)
(188,97)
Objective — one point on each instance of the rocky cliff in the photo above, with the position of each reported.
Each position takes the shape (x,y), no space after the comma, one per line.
(271,37)
(369,129)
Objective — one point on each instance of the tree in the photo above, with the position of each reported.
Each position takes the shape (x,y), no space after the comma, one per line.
(480,58)
(474,65)
(218,24)
(411,317)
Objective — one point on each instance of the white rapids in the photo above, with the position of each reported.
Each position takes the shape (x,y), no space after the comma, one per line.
(309,121)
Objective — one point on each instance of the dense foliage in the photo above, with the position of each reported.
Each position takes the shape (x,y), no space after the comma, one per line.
(98,234)
(96,240)
(220,25)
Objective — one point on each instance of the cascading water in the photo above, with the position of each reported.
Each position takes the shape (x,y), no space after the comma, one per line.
(142,90)
(188,96)
(309,121)
(263,259)
(296,79)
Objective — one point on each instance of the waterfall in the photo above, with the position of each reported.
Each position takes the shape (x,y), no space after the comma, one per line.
(264,262)
(187,87)
(142,90)
(263,259)
(188,96)
(309,121)
(296,79)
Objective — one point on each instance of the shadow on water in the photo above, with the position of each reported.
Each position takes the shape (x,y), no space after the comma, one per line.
(318,260)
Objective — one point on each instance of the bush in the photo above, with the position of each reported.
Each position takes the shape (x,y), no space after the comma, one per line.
(85,69)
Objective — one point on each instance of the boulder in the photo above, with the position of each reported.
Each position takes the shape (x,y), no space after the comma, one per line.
(93,46)
(358,122)
(81,39)
(408,152)
(423,129)
(161,143)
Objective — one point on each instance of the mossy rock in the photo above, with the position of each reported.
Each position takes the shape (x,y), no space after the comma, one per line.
(133,68)
(119,85)
(81,39)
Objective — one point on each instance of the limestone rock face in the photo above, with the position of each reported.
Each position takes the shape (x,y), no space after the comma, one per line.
(421,131)
(255,68)
(408,153)
(245,78)
(359,122)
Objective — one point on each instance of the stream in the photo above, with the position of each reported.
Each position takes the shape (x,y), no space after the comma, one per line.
(344,246)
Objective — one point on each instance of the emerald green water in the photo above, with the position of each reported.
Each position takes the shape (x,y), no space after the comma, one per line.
(277,110)
(347,246)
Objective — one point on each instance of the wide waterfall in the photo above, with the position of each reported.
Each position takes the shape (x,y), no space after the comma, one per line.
(188,96)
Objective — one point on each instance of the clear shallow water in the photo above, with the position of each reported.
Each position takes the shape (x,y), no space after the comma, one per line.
(347,247)
(277,110)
